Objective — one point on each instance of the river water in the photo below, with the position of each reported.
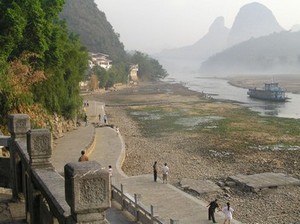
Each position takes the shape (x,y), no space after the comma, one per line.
(219,88)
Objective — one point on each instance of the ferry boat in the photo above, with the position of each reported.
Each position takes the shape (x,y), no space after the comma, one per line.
(271,92)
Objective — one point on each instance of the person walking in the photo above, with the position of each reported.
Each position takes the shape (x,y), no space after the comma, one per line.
(155,171)
(86,120)
(110,170)
(105,118)
(83,157)
(228,213)
(211,210)
(165,172)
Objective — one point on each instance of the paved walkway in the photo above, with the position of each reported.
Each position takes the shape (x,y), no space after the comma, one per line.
(109,149)
(170,202)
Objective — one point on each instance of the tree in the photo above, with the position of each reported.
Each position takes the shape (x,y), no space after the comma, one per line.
(101,74)
(67,60)
(16,80)
(12,25)
(94,83)
(149,68)
(31,27)
(118,73)
(26,26)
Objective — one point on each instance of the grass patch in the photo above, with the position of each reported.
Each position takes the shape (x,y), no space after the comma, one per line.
(225,125)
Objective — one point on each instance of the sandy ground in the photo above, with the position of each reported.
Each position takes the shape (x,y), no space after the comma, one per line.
(289,82)
(188,155)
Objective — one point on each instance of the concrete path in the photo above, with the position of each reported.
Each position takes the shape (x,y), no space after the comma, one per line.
(68,148)
(109,149)
(168,201)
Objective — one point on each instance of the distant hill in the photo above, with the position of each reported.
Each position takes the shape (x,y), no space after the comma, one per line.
(276,53)
(95,32)
(85,19)
(253,20)
(191,56)
(212,42)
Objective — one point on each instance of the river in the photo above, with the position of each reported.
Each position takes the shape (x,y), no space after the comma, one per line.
(219,88)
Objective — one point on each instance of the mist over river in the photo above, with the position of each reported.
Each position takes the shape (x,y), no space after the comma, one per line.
(219,88)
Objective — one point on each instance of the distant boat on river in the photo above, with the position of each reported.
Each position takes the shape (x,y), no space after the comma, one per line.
(271,92)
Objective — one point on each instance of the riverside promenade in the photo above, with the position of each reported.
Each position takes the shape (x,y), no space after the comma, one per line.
(109,149)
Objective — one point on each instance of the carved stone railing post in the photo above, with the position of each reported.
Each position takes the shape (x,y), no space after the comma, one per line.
(87,190)
(153,210)
(39,147)
(18,125)
(137,200)
(123,205)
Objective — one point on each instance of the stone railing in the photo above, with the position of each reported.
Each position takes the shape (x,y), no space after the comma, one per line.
(134,207)
(81,197)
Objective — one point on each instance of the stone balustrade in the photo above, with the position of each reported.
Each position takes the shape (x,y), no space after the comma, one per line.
(82,196)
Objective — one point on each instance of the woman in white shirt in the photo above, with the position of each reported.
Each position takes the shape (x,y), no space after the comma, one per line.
(228,213)
(165,171)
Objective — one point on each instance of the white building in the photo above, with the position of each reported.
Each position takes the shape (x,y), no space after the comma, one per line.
(100,60)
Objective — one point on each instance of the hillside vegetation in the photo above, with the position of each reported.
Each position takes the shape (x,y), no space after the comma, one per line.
(42,63)
(95,32)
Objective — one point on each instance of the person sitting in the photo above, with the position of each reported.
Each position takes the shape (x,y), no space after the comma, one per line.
(83,157)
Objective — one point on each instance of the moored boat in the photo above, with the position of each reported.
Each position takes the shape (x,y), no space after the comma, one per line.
(271,92)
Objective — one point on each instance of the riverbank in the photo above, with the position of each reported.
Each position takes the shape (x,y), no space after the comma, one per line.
(202,138)
(289,82)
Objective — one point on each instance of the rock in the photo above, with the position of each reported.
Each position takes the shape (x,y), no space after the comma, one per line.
(230,183)
(227,195)
(221,183)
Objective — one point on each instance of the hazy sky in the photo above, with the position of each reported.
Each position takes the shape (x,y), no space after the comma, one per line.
(152,25)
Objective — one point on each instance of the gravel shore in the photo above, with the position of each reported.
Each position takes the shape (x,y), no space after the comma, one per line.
(188,157)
